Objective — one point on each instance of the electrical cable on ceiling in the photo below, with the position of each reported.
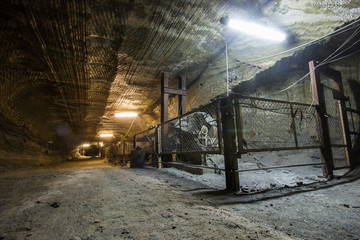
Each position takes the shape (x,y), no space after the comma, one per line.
(332,34)
(343,44)
(327,60)
(340,58)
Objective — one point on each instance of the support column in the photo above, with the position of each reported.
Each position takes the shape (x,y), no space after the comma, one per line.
(123,157)
(182,97)
(165,93)
(134,142)
(325,148)
(231,163)
(340,96)
(164,97)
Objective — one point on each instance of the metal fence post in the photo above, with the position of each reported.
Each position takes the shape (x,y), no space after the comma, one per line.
(228,127)
(293,115)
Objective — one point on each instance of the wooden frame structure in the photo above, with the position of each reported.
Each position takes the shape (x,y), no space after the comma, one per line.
(319,97)
(166,91)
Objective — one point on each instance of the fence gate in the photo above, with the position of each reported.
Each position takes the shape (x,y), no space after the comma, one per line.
(329,96)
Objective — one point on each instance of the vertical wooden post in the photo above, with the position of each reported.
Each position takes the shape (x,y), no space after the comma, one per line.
(346,134)
(228,127)
(164,97)
(239,127)
(134,142)
(165,93)
(158,145)
(340,96)
(124,159)
(182,97)
(164,110)
(219,130)
(325,147)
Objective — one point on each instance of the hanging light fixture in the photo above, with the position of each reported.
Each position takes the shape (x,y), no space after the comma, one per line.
(105,135)
(126,114)
(254,29)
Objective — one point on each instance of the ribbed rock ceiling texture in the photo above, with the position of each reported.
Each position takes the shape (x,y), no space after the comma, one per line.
(68,66)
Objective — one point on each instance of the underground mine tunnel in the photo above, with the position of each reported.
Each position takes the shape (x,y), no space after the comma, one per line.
(160,119)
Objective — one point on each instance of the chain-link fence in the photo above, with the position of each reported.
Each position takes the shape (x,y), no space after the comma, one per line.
(267,125)
(197,131)
(146,140)
(259,125)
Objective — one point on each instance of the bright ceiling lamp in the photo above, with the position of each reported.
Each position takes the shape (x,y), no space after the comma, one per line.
(257,30)
(126,114)
(105,135)
(86,145)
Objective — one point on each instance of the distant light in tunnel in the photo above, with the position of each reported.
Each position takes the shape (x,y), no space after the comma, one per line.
(257,30)
(126,114)
(86,145)
(104,135)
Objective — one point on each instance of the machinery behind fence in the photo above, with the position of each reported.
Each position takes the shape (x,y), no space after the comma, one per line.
(197,131)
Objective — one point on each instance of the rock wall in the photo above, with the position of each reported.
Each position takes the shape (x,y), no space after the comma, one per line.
(19,147)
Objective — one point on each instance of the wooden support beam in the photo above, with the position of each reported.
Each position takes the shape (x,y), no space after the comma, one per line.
(324,135)
(134,142)
(182,96)
(164,97)
(165,92)
(239,127)
(175,91)
(231,162)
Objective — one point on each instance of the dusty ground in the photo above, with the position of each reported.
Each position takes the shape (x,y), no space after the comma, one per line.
(298,201)
(91,200)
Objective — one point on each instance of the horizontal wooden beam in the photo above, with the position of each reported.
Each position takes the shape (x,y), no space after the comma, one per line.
(174,91)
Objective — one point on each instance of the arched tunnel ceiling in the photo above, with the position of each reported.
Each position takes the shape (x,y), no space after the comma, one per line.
(69,66)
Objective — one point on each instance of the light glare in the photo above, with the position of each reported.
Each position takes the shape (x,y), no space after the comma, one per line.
(106,135)
(126,114)
(86,145)
(257,30)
